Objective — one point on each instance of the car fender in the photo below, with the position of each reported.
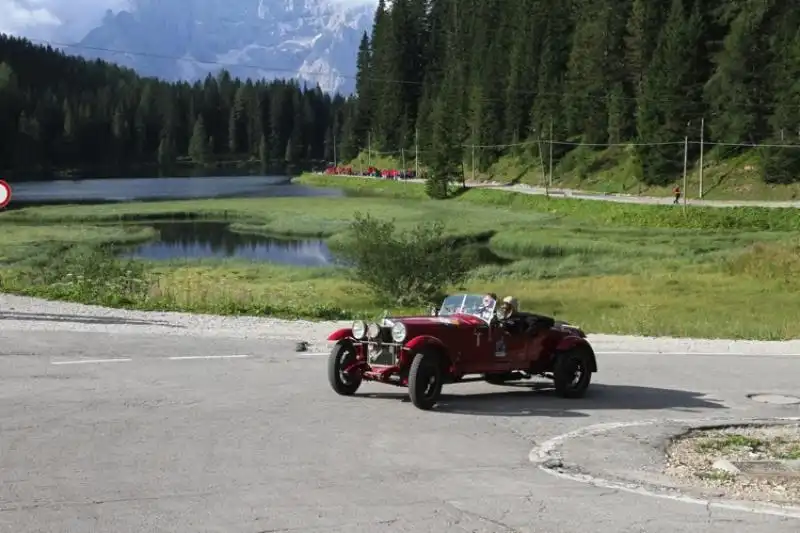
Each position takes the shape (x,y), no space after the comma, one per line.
(421,340)
(339,334)
(573,341)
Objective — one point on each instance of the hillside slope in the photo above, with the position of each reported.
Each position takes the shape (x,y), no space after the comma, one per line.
(620,86)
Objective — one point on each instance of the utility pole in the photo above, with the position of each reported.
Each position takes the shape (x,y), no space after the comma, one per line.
(403,157)
(550,181)
(685,165)
(702,149)
(335,160)
(369,149)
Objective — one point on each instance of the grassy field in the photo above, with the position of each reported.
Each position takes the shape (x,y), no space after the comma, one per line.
(612,268)
(613,170)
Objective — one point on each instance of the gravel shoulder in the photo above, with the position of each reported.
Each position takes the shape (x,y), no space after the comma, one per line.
(19,313)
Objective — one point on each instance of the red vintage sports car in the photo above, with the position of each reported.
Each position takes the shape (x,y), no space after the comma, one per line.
(465,337)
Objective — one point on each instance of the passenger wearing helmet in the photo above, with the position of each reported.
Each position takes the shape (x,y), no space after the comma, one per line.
(510,317)
(508,308)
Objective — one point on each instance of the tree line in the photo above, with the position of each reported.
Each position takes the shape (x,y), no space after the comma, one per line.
(61,111)
(493,72)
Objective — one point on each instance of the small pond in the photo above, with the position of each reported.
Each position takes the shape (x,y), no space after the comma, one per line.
(198,240)
(210,239)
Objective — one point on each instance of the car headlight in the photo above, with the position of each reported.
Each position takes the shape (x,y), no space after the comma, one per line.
(399,332)
(359,329)
(373,331)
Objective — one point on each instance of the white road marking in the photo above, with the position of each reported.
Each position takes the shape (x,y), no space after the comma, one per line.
(547,450)
(91,361)
(190,357)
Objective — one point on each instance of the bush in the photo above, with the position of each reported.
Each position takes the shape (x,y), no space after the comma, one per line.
(408,268)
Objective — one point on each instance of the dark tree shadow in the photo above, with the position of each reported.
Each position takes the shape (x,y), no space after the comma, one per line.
(539,399)
(81,319)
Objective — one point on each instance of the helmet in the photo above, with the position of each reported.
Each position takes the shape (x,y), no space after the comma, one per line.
(510,302)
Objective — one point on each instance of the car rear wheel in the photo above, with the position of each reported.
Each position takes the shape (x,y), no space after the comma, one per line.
(572,373)
(425,380)
(344,383)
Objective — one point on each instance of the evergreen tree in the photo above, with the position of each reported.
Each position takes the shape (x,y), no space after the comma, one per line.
(670,94)
(199,145)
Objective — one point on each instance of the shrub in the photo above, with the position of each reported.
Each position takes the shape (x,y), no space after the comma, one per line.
(410,267)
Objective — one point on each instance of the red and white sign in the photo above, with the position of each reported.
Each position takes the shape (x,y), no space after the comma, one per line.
(5,194)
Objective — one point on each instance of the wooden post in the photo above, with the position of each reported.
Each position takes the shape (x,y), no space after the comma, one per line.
(702,150)
(685,165)
(550,180)
(416,153)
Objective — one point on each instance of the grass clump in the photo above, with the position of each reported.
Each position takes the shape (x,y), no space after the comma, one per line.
(84,274)
(730,443)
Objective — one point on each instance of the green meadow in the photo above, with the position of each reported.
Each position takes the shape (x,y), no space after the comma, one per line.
(612,268)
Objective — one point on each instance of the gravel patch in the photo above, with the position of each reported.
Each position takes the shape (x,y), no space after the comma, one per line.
(20,313)
(760,463)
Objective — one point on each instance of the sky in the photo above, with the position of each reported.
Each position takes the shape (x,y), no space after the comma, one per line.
(67,20)
(70,20)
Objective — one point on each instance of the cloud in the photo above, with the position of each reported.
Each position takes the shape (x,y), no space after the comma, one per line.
(54,19)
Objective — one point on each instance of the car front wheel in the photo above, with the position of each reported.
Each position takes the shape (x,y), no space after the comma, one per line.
(344,383)
(572,373)
(425,380)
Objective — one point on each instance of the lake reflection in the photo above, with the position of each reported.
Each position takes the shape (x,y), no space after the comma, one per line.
(197,240)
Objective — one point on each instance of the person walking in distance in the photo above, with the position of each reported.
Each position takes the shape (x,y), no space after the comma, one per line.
(677,192)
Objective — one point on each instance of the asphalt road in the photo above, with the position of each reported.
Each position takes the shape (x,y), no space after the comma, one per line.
(560,192)
(140,432)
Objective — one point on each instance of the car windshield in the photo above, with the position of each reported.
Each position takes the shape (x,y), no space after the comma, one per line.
(479,305)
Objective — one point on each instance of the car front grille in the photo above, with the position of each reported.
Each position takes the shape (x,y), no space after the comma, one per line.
(381,354)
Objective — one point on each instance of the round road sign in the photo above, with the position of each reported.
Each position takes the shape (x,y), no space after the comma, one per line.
(5,193)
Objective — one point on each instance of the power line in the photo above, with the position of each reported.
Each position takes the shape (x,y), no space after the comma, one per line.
(599,145)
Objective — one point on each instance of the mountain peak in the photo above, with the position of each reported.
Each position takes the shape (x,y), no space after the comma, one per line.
(315,41)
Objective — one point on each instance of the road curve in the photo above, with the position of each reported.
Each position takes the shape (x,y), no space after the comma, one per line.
(129,422)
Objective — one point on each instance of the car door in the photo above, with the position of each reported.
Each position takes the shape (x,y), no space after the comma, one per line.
(488,353)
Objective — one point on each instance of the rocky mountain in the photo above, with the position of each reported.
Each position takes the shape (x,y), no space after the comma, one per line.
(313,40)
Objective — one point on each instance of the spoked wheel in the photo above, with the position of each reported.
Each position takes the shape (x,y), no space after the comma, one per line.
(425,380)
(342,356)
(572,373)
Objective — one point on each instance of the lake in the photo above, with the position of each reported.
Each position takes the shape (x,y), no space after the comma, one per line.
(107,190)
(204,239)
